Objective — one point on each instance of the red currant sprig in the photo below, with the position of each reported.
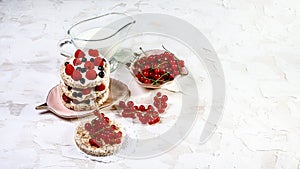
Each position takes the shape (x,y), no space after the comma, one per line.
(150,116)
(145,115)
(160,102)
(102,132)
(128,109)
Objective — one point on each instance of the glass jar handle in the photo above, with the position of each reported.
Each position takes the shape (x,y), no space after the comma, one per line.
(66,47)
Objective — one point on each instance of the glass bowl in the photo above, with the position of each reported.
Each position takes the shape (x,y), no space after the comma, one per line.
(156,68)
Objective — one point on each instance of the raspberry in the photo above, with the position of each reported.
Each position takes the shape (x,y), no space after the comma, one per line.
(89,65)
(69,69)
(76,62)
(66,98)
(91,74)
(79,54)
(76,75)
(98,61)
(93,52)
(100,87)
(86,91)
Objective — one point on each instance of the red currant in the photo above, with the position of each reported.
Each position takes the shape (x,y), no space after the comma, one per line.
(142,108)
(146,73)
(130,104)
(156,76)
(156,71)
(164,98)
(122,104)
(181,63)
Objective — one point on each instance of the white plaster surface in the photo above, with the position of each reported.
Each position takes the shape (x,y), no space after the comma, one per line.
(257,42)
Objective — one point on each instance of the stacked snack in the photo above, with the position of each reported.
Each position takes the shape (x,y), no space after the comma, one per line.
(85,80)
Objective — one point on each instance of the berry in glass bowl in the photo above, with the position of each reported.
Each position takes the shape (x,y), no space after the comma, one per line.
(154,68)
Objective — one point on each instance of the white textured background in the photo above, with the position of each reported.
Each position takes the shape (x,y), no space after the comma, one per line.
(258,43)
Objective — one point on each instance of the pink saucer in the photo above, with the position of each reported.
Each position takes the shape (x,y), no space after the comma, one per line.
(118,91)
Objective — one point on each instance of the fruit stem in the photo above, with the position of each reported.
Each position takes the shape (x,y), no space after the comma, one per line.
(169,51)
(165,49)
(144,76)
(160,64)
(159,78)
(148,114)
(143,51)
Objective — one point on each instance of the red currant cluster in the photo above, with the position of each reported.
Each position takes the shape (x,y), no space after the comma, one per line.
(160,102)
(148,115)
(102,131)
(157,69)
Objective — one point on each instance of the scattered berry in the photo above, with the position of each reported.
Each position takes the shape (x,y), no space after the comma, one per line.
(155,120)
(181,63)
(75,101)
(91,74)
(86,91)
(94,142)
(89,65)
(76,75)
(164,98)
(84,59)
(69,69)
(100,87)
(93,52)
(130,104)
(66,98)
(83,70)
(74,94)
(101,74)
(87,102)
(101,68)
(160,102)
(82,80)
(98,61)
(76,62)
(79,54)
(142,108)
(66,63)
(122,104)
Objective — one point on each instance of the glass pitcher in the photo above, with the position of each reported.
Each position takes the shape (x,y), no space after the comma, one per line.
(101,33)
